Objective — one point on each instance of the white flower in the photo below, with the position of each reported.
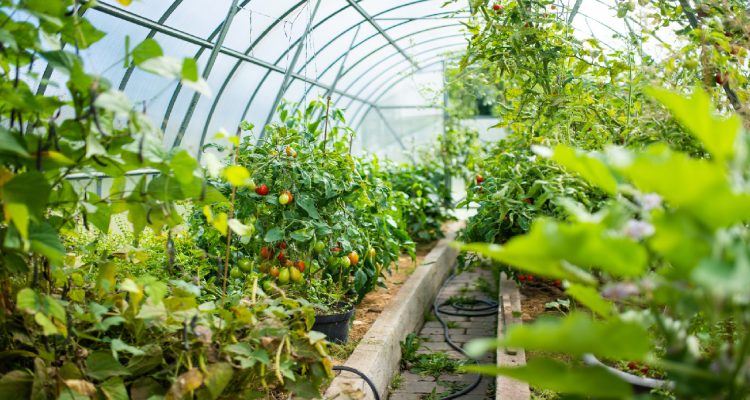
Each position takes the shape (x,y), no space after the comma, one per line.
(650,201)
(638,230)
(213,165)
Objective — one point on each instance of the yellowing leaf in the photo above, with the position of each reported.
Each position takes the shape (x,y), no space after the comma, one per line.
(81,387)
(221,223)
(125,2)
(237,175)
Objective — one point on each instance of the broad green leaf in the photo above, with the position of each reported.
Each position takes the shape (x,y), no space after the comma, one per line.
(274,235)
(114,389)
(307,204)
(118,346)
(302,235)
(116,102)
(591,298)
(217,377)
(562,378)
(552,249)
(239,228)
(16,385)
(589,167)
(697,114)
(48,327)
(221,223)
(9,143)
(43,239)
(237,175)
(699,187)
(579,334)
(183,166)
(190,70)
(146,50)
(680,239)
(100,365)
(30,189)
(167,67)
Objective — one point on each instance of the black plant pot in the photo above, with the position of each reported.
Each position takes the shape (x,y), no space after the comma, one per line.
(334,326)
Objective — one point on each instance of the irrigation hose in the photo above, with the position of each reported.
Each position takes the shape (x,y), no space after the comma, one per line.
(361,375)
(489,308)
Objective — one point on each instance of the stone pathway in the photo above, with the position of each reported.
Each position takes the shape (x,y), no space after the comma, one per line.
(414,386)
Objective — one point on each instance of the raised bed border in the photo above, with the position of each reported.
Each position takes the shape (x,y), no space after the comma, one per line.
(509,311)
(379,352)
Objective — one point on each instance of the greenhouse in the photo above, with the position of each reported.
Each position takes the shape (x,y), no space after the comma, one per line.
(361,199)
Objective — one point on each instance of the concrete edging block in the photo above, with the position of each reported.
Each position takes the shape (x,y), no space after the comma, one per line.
(379,352)
(509,311)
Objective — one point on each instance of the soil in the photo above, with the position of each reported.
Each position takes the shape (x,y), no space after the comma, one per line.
(534,295)
(372,305)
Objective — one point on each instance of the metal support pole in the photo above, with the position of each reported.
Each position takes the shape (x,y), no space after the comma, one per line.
(289,70)
(390,128)
(206,72)
(382,32)
(343,63)
(129,72)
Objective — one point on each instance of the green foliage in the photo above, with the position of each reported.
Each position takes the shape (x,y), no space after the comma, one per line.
(86,315)
(337,203)
(687,255)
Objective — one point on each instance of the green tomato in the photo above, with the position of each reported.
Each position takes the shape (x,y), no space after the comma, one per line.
(295,275)
(235,273)
(284,199)
(267,287)
(345,262)
(284,276)
(251,185)
(245,265)
(319,247)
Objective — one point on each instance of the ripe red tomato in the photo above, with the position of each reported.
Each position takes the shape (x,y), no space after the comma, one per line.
(282,245)
(522,278)
(644,370)
(300,266)
(266,253)
(530,278)
(262,190)
(496,7)
(632,365)
(480,179)
(281,256)
(558,283)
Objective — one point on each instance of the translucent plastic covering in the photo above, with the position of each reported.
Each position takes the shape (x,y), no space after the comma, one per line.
(380,60)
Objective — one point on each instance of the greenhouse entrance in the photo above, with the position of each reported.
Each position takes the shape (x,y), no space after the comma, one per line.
(374,199)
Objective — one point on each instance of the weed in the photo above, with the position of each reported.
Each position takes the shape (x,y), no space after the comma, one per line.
(453,325)
(342,351)
(409,348)
(435,364)
(429,316)
(460,300)
(486,287)
(396,381)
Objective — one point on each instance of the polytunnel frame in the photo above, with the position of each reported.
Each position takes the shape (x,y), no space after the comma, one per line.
(217,47)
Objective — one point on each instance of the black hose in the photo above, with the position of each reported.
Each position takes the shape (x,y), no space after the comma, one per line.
(361,375)
(489,308)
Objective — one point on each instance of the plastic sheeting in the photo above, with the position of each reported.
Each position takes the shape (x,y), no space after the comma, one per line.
(382,60)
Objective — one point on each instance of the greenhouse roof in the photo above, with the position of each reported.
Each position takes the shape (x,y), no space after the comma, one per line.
(375,58)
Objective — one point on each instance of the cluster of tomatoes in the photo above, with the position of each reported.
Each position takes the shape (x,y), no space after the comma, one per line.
(286,270)
(633,366)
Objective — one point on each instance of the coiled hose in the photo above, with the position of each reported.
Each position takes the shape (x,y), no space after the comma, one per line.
(486,308)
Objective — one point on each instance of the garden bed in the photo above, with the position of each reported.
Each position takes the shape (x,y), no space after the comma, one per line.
(378,352)
(368,311)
